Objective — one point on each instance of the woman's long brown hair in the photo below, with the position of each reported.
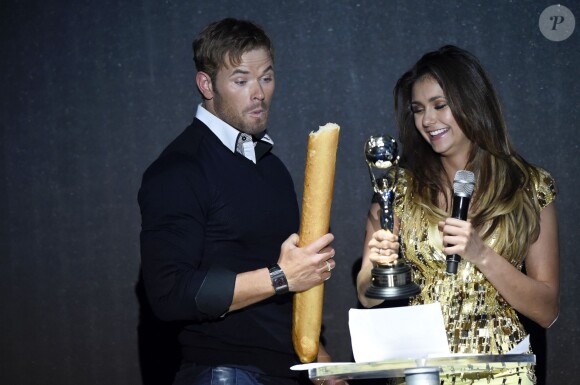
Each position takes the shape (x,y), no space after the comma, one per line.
(504,197)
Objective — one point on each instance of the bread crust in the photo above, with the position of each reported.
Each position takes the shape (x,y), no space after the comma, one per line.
(315,222)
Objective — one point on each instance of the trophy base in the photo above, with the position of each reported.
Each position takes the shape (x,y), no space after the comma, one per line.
(392,282)
(393,293)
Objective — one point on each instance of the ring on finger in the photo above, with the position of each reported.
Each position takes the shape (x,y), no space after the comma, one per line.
(328,265)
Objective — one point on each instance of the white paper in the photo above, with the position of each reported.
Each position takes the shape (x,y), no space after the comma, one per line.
(522,348)
(409,332)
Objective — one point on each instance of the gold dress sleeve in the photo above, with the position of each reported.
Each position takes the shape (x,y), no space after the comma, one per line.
(545,188)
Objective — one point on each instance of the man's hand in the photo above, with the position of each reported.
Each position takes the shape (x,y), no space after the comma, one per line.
(307,266)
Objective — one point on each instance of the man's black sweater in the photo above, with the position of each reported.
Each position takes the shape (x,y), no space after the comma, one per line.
(208,214)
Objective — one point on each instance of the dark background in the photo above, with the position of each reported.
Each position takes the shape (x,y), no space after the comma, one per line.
(91,91)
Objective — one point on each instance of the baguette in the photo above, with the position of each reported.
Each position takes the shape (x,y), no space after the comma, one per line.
(314,223)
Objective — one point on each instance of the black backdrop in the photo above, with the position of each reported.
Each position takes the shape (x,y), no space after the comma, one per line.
(91,91)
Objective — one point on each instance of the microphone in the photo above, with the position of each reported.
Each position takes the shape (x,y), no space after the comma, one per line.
(463,185)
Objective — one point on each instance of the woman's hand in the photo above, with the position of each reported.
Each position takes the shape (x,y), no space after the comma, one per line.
(383,247)
(461,238)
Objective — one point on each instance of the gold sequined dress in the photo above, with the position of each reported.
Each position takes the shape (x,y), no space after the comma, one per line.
(477,318)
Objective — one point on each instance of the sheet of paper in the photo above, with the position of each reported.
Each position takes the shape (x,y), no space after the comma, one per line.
(413,332)
(523,347)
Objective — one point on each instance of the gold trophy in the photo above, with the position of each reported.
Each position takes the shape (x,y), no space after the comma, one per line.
(390,281)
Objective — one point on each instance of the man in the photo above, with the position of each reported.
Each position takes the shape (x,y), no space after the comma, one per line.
(219,221)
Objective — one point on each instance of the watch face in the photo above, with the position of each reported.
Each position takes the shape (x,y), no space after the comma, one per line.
(279,281)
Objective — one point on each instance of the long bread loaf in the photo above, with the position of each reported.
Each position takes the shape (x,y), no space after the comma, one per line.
(315,222)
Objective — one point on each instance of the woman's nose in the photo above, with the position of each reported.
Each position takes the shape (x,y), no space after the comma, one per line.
(428,117)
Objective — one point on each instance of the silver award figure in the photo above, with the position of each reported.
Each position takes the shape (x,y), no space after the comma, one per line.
(391,281)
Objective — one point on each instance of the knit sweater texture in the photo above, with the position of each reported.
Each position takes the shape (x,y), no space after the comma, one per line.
(207,215)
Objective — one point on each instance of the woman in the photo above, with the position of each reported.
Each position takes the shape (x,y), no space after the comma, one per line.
(450,119)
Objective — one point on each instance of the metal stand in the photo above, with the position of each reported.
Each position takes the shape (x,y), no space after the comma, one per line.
(425,371)
(422,376)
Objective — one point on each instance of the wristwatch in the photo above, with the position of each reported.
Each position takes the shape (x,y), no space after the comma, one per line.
(278,278)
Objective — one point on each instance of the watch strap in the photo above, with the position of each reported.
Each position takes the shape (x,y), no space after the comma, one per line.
(279,280)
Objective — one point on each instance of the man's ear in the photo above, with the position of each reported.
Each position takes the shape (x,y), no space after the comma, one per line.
(204,85)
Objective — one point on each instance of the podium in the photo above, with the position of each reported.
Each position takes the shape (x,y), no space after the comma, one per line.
(425,370)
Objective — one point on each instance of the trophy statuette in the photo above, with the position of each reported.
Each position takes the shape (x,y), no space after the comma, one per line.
(390,281)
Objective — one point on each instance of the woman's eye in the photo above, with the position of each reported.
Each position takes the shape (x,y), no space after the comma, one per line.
(416,110)
(440,106)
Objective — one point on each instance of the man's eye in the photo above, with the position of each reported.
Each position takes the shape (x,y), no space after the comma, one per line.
(240,82)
